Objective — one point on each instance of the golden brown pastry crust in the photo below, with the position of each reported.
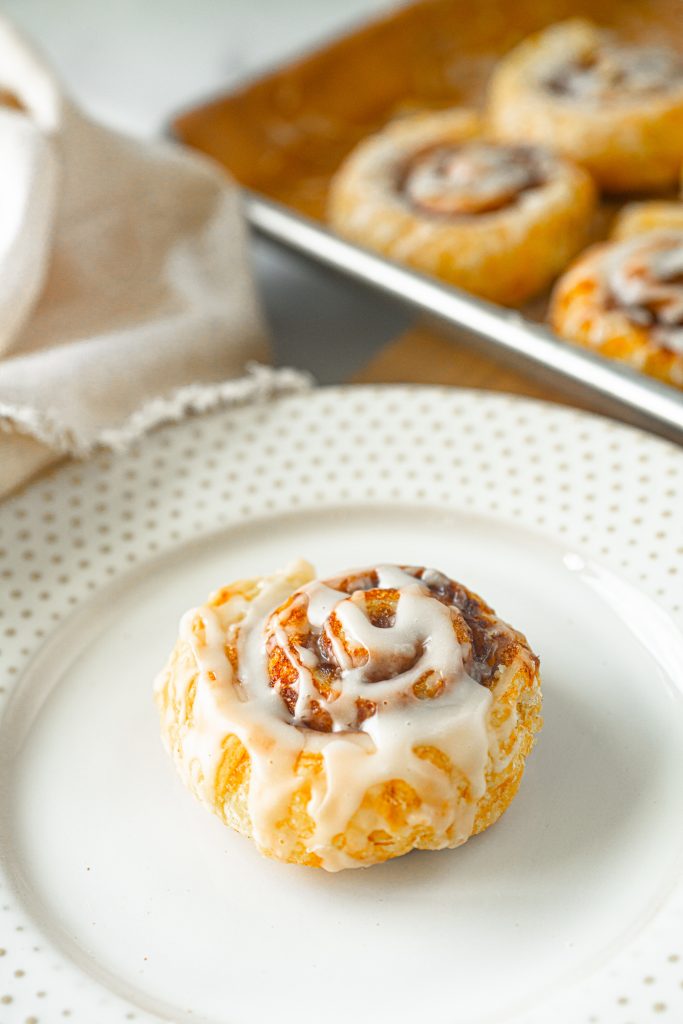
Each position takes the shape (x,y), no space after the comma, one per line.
(505,243)
(633,328)
(629,136)
(389,818)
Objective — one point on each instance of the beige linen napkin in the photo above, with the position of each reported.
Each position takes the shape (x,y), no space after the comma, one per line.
(125,294)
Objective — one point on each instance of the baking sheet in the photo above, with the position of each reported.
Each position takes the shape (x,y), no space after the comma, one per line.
(284,134)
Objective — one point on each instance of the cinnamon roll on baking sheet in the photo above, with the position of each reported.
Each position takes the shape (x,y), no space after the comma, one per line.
(614,107)
(341,723)
(497,219)
(625,300)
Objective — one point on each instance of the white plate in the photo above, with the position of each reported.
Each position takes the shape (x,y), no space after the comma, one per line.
(124,900)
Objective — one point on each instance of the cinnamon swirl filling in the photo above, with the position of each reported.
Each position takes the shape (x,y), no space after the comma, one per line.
(471,178)
(389,637)
(645,280)
(608,72)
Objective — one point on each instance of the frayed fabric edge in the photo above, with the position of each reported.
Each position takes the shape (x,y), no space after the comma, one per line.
(259,383)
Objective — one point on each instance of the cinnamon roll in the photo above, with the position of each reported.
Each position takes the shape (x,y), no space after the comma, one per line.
(499,220)
(617,109)
(637,218)
(341,723)
(625,300)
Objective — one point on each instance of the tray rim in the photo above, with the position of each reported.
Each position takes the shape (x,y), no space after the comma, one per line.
(639,400)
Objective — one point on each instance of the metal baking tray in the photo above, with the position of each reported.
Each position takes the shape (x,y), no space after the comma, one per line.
(284,134)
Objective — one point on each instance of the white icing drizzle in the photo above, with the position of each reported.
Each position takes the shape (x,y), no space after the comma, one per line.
(604,70)
(474,177)
(244,704)
(644,275)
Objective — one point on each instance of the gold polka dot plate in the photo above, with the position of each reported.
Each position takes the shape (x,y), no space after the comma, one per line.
(123,900)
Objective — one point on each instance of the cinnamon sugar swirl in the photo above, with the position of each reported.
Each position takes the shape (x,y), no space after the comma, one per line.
(625,300)
(341,723)
(615,108)
(499,220)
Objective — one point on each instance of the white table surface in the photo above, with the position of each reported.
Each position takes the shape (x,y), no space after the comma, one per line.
(133,63)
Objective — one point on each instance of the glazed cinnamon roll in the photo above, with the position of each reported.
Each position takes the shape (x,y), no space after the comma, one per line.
(341,723)
(616,109)
(498,220)
(625,300)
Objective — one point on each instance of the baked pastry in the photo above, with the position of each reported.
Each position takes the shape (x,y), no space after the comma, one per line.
(345,722)
(498,220)
(616,109)
(636,218)
(625,300)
